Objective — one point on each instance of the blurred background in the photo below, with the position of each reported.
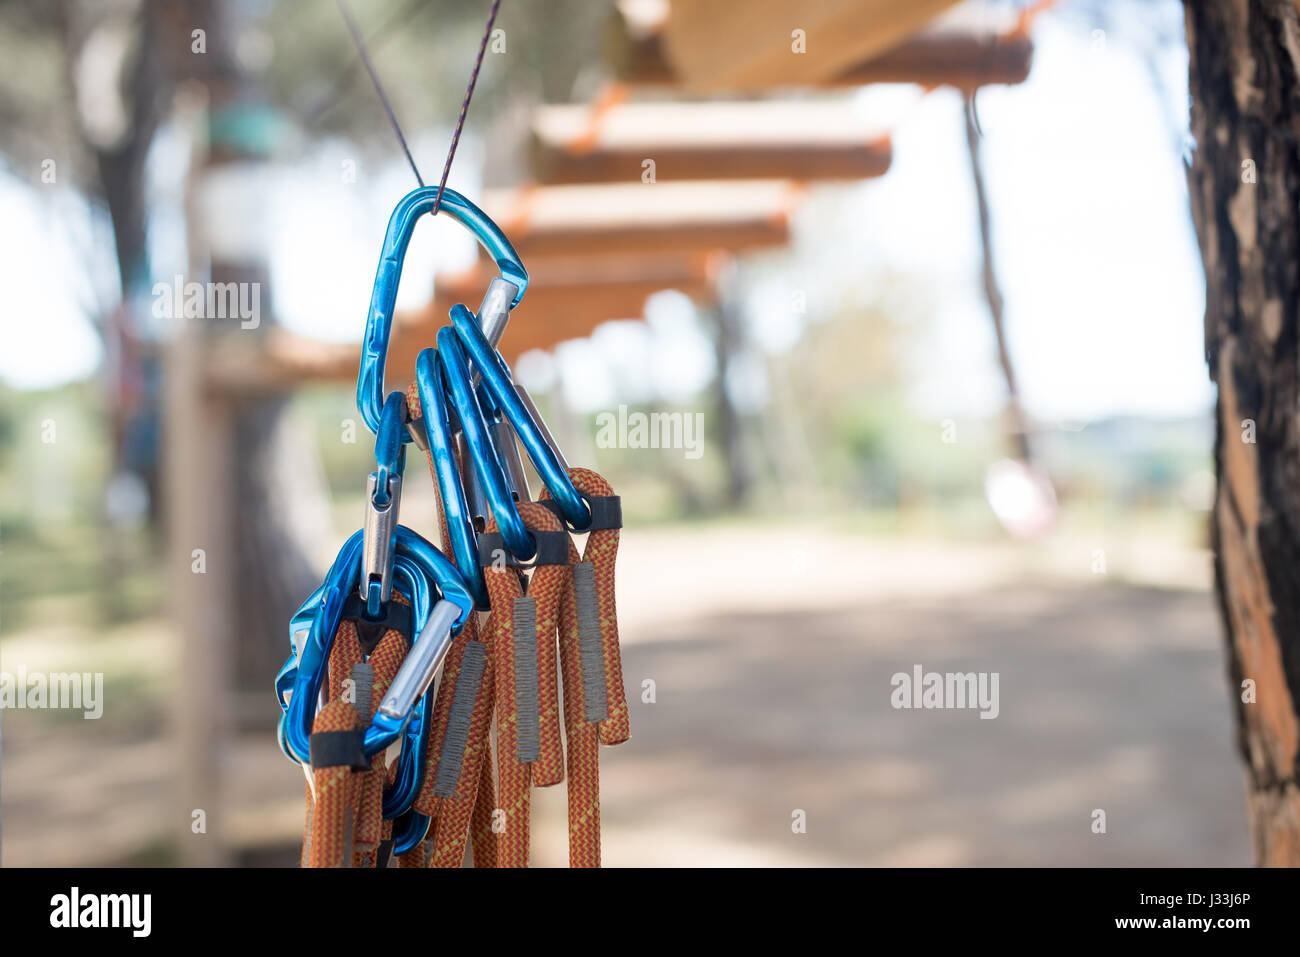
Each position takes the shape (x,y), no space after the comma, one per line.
(923,275)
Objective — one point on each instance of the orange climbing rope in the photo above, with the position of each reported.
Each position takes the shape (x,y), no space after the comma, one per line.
(556,629)
(334,804)
(552,633)
(521,635)
(345,825)
(595,704)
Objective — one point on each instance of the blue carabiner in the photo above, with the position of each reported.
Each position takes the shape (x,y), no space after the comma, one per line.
(413,720)
(496,381)
(424,568)
(384,490)
(383,297)
(328,600)
(430,378)
(473,424)
(386,728)
(408,831)
(300,623)
(410,580)
(401,794)
(390,453)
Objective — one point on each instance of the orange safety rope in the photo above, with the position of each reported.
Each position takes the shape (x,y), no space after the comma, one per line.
(333,817)
(577,603)
(581,654)
(344,653)
(583,739)
(483,836)
(521,636)
(345,823)
(306,826)
(457,814)
(426,802)
(386,659)
(513,781)
(601,550)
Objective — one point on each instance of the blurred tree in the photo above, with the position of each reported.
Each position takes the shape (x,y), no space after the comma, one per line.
(92,83)
(89,85)
(1245,190)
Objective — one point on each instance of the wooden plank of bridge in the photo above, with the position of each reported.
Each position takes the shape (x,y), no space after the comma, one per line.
(952,53)
(765,139)
(567,298)
(627,240)
(643,219)
(713,46)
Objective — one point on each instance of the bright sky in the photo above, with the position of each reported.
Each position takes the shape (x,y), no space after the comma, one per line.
(1095,249)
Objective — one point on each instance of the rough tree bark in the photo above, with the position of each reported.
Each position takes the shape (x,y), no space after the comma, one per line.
(1245,191)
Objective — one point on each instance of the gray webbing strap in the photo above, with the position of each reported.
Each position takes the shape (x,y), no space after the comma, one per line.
(462,714)
(589,644)
(363,686)
(527,747)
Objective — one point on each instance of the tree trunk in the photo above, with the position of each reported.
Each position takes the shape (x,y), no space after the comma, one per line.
(731,433)
(1245,193)
(132,402)
(274,573)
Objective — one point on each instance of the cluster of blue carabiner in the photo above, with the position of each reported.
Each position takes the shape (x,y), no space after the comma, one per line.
(467,394)
(469,405)
(439,606)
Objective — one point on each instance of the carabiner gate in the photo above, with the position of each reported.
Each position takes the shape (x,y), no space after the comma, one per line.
(383,497)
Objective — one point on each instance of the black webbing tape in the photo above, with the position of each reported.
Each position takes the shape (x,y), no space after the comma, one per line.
(606,511)
(552,549)
(338,749)
(370,631)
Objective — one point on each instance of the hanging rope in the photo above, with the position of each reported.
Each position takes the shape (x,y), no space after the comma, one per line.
(464,106)
(345,814)
(379,87)
(388,107)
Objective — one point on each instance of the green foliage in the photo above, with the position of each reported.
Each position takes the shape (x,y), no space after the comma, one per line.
(423,53)
(54,563)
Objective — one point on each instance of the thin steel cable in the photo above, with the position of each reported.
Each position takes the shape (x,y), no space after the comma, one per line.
(379,87)
(343,80)
(464,106)
(392,117)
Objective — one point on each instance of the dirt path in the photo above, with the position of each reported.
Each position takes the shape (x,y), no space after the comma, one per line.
(1110,698)
(772,694)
